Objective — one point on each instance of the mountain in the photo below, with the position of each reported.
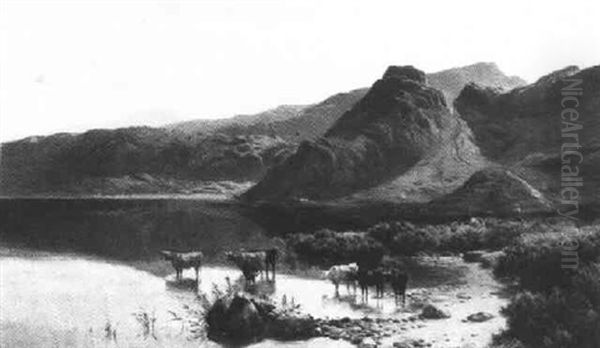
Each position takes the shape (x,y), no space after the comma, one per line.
(401,124)
(309,122)
(132,160)
(530,127)
(180,158)
(497,152)
(240,124)
(452,81)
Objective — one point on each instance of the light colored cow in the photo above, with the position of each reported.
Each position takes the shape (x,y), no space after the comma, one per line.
(343,274)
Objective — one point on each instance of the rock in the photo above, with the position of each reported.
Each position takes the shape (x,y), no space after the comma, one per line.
(243,319)
(368,343)
(432,312)
(405,73)
(293,327)
(516,129)
(402,345)
(473,256)
(216,317)
(411,343)
(356,340)
(480,317)
(490,260)
(463,296)
(397,123)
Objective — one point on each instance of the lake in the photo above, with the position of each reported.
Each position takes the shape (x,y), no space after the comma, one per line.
(73,271)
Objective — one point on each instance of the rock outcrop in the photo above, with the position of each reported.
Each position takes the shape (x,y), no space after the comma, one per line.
(401,124)
(492,191)
(243,318)
(308,122)
(500,153)
(529,128)
(452,81)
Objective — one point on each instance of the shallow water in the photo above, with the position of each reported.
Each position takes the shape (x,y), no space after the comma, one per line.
(63,301)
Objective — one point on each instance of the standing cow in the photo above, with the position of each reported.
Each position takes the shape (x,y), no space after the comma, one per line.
(399,280)
(250,263)
(343,274)
(371,277)
(181,261)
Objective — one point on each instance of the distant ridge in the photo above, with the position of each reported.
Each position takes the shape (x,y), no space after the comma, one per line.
(180,158)
(299,123)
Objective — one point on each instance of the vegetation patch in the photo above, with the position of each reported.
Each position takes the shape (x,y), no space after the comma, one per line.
(556,306)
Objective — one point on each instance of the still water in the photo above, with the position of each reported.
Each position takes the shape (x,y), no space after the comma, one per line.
(76,301)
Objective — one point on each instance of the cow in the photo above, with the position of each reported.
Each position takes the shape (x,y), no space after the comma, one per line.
(371,277)
(346,274)
(250,263)
(181,261)
(270,256)
(398,280)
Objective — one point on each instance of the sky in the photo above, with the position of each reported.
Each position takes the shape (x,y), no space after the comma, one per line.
(69,66)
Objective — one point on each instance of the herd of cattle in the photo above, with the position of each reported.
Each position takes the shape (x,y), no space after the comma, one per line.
(254,262)
(353,274)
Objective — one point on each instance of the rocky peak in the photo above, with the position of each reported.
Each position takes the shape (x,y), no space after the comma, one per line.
(397,123)
(558,74)
(407,72)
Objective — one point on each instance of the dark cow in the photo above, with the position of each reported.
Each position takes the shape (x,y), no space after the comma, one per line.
(371,277)
(181,261)
(270,257)
(250,263)
(398,280)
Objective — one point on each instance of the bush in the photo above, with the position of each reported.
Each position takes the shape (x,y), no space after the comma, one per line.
(562,318)
(536,260)
(556,307)
(327,247)
(501,233)
(404,238)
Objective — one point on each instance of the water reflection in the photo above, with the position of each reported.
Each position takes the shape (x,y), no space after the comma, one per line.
(128,228)
(77,301)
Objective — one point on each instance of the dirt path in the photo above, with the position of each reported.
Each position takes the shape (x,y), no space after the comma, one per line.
(480,293)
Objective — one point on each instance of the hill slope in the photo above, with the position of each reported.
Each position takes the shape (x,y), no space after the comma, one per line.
(529,128)
(400,124)
(179,157)
(132,160)
(312,121)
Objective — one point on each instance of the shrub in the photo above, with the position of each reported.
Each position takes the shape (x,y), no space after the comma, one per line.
(562,318)
(464,237)
(501,233)
(404,238)
(536,260)
(556,307)
(327,247)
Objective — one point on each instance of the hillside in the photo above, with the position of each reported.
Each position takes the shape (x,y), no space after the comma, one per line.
(182,157)
(309,122)
(258,124)
(401,124)
(132,160)
(524,131)
(500,152)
